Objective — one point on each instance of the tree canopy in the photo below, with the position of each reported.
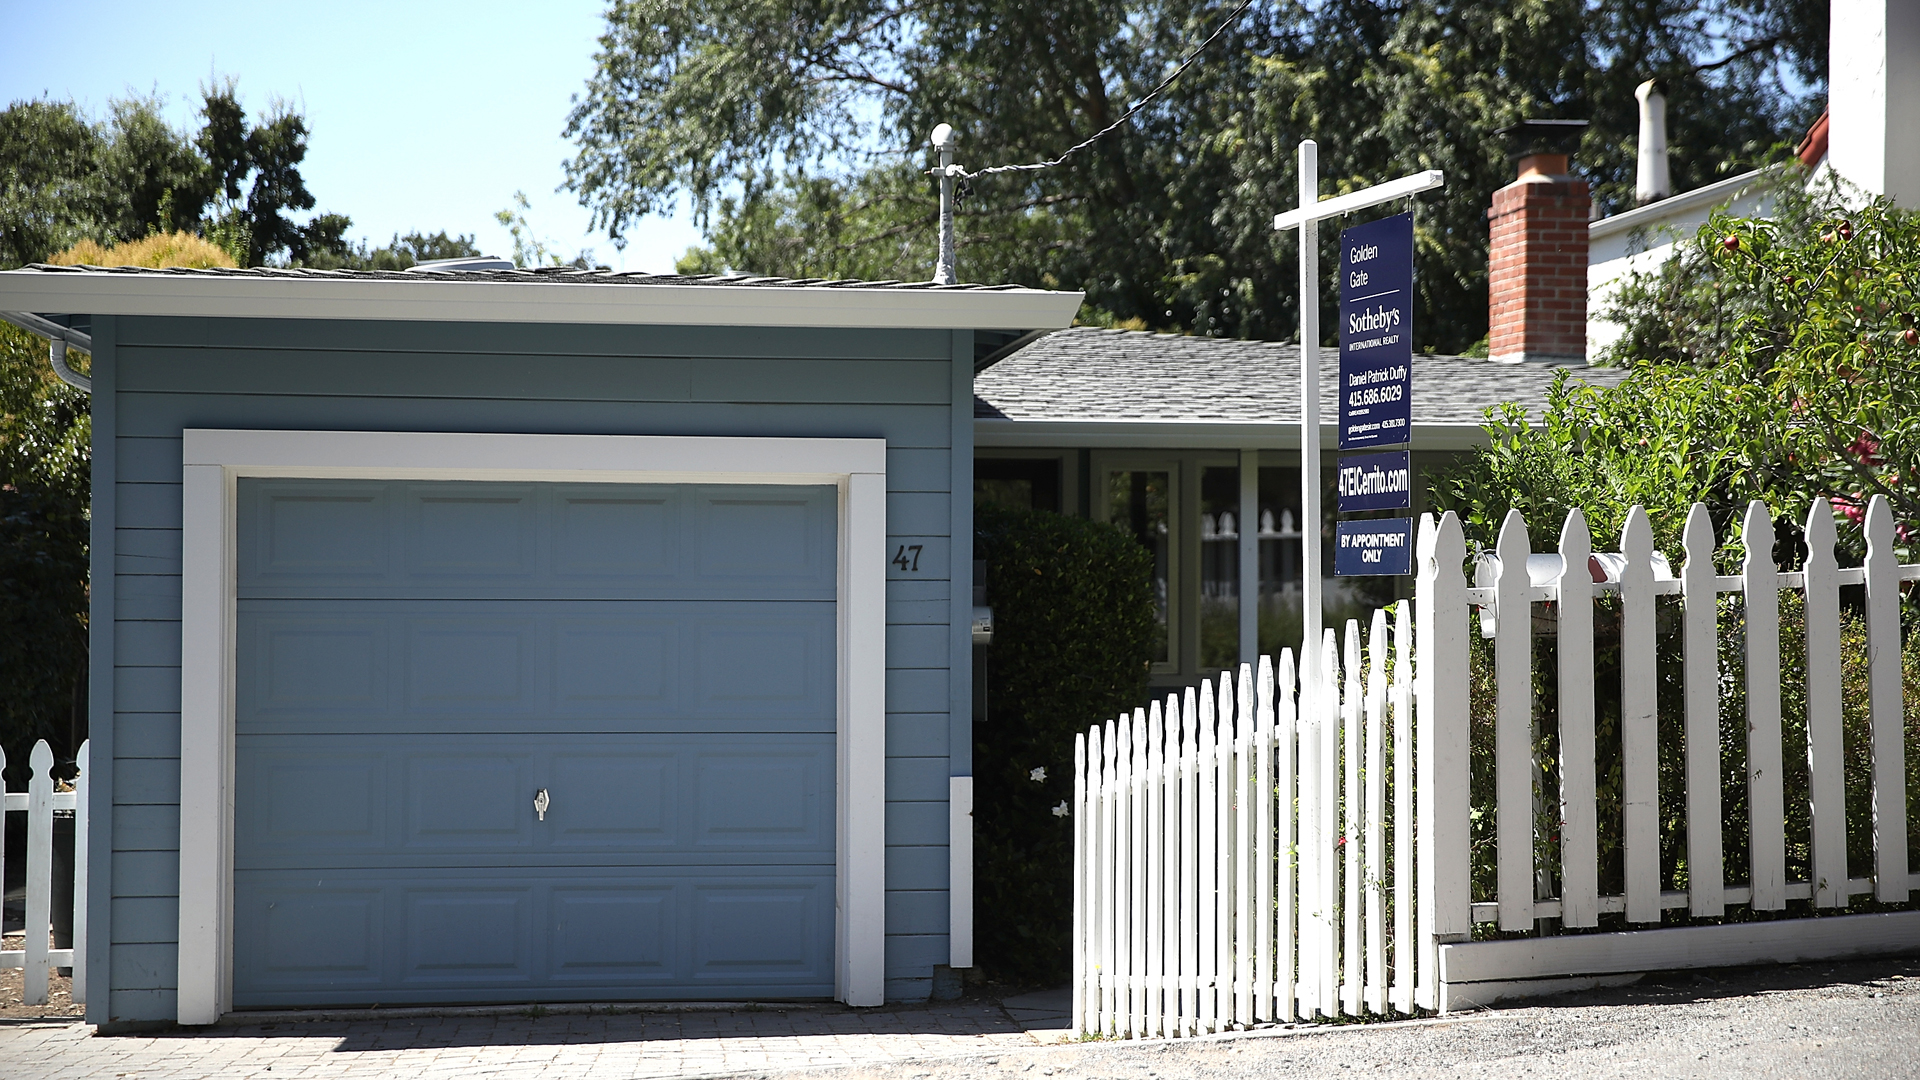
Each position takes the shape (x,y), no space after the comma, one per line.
(65,179)
(797,131)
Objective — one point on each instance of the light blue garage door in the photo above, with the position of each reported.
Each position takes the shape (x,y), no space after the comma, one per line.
(417,662)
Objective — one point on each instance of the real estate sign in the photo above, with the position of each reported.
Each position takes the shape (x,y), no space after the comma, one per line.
(1375,482)
(1376,333)
(1374,546)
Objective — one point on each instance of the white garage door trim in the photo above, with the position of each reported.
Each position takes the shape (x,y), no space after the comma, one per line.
(215,459)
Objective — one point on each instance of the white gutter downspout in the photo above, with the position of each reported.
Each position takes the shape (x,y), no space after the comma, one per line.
(59,340)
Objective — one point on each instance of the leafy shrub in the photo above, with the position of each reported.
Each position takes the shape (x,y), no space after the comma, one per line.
(1073,613)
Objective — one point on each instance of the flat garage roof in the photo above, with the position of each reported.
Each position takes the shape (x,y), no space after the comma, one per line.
(547,295)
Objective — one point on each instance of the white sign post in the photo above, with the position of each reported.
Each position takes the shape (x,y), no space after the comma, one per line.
(1307,219)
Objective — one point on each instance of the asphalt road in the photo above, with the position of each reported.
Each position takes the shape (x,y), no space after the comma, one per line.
(1807,1022)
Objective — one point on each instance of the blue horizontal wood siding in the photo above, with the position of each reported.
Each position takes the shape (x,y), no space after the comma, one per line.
(157,376)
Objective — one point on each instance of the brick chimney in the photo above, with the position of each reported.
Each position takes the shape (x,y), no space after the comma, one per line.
(1537,265)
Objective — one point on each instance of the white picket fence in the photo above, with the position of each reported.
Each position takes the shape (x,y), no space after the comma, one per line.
(40,802)
(1225,872)
(1265,851)
(1571,579)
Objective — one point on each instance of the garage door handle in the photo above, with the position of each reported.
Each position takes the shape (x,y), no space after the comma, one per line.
(541,802)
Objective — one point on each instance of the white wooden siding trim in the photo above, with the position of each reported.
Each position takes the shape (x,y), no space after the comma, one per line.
(1779,941)
(960,871)
(215,459)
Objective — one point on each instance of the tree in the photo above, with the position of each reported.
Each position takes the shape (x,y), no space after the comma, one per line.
(150,171)
(270,154)
(65,178)
(45,436)
(275,149)
(50,194)
(1774,358)
(797,131)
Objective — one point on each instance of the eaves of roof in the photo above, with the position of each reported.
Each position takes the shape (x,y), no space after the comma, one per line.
(1197,434)
(1658,213)
(522,296)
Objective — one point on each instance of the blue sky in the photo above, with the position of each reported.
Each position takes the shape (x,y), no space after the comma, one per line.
(424,115)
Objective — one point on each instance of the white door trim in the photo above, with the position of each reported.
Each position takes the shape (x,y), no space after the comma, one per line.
(215,459)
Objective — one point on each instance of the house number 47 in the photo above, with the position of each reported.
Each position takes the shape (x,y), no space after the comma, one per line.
(907,558)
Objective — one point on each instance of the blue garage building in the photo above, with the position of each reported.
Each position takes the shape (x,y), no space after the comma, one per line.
(509,636)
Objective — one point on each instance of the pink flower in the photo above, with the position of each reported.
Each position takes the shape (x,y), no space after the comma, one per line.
(1867,449)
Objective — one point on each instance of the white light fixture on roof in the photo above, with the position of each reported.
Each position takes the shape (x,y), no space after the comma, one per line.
(943,139)
(466,264)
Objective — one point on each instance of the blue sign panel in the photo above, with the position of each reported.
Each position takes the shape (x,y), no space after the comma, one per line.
(1382,546)
(1375,482)
(1376,333)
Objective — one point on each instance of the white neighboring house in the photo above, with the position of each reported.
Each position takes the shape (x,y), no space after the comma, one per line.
(1642,239)
(1874,81)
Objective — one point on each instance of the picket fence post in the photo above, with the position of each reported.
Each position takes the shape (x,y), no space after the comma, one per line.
(1307,847)
(1082,917)
(1135,794)
(1700,648)
(1513,725)
(1352,826)
(40,802)
(1189,871)
(1155,884)
(1327,707)
(1374,883)
(1243,859)
(1442,789)
(1639,722)
(1579,814)
(1264,825)
(1885,707)
(1288,840)
(1227,853)
(1766,792)
(1403,826)
(39,870)
(1826,768)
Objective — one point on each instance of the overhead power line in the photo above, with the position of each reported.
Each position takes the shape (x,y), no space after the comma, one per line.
(1117,124)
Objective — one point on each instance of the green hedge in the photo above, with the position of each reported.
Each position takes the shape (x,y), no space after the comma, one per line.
(1073,613)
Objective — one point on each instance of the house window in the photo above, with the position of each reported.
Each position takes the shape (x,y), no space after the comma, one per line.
(1281,537)
(1219,535)
(1277,524)
(1018,483)
(1184,506)
(1142,502)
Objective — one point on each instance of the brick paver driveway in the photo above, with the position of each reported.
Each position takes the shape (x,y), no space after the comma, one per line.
(519,1046)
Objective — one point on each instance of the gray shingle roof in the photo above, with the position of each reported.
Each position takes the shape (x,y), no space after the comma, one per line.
(543,274)
(1127,375)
